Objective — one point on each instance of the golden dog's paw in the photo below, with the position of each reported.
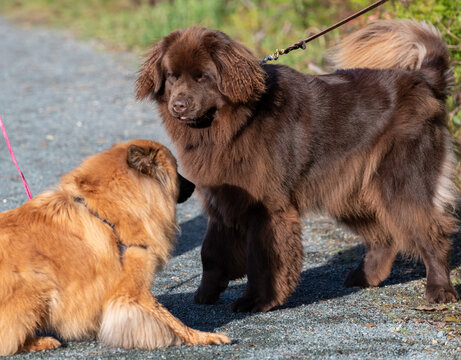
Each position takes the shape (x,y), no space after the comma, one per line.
(39,344)
(218,338)
(205,338)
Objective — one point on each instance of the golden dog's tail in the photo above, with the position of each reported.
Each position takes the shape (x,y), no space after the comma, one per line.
(403,44)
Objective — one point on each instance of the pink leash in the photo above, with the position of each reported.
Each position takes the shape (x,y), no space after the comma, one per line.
(14,159)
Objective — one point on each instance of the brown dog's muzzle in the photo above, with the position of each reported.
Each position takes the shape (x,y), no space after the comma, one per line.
(180,106)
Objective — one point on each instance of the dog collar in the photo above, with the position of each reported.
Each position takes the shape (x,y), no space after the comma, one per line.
(121,246)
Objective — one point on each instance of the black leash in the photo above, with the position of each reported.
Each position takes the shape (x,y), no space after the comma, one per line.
(302,43)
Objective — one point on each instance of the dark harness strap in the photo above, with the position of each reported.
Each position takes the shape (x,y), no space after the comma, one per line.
(121,246)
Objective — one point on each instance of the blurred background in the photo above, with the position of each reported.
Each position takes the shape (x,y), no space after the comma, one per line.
(263,26)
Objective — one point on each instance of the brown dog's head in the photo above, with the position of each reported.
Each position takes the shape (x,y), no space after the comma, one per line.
(196,71)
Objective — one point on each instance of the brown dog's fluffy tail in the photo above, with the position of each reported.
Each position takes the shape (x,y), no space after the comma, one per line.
(403,44)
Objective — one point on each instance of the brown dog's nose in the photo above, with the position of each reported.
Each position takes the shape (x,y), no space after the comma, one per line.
(179,106)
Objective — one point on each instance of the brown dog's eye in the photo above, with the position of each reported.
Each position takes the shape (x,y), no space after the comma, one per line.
(200,77)
(171,77)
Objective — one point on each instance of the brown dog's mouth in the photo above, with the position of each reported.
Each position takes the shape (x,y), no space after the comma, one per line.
(203,121)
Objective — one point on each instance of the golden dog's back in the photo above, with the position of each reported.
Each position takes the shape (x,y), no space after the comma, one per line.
(57,264)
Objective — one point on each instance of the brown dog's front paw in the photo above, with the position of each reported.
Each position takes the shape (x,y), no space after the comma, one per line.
(248,304)
(441,294)
(242,304)
(206,297)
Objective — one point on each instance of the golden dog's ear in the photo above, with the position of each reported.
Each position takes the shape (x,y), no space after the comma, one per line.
(151,77)
(240,77)
(142,159)
(149,161)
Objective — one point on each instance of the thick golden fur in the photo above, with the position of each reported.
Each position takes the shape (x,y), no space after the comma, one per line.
(62,266)
(266,144)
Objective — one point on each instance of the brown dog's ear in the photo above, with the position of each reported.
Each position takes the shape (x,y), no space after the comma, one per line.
(141,159)
(151,77)
(240,77)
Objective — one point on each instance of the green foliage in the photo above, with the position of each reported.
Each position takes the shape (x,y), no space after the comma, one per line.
(121,24)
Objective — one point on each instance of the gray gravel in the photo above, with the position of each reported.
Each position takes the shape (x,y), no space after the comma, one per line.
(62,100)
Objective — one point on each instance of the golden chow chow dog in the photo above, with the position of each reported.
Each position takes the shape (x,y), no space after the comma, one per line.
(368,145)
(79,261)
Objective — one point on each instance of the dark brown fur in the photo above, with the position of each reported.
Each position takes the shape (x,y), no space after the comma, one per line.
(266,144)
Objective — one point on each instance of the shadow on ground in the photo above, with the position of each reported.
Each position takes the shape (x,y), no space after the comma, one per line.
(318,283)
(191,235)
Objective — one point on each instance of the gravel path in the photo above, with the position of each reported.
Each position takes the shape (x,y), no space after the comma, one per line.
(62,100)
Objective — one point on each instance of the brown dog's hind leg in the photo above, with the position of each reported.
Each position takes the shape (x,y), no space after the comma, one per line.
(133,318)
(380,253)
(374,268)
(39,343)
(223,258)
(274,261)
(425,233)
(434,247)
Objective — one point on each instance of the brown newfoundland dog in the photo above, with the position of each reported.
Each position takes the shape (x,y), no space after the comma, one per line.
(266,144)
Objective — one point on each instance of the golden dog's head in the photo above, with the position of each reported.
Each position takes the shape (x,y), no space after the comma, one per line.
(136,171)
(196,71)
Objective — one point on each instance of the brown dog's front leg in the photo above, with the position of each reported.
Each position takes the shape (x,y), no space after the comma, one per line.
(274,259)
(223,259)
